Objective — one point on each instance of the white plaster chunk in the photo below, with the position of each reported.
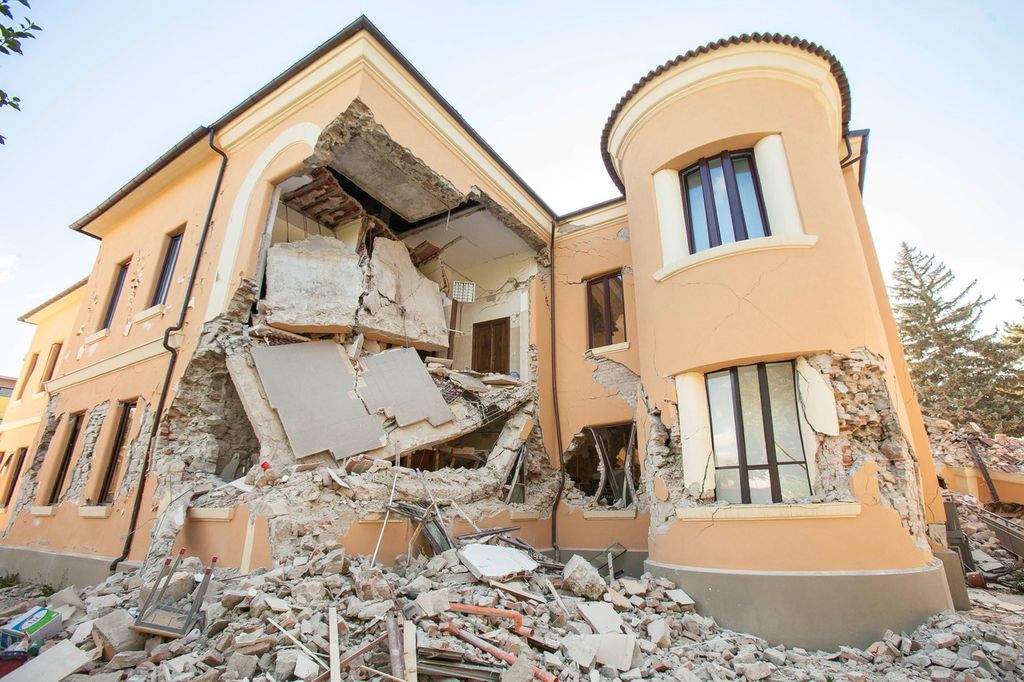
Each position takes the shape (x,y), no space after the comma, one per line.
(402,306)
(313,285)
(695,432)
(601,616)
(494,562)
(816,398)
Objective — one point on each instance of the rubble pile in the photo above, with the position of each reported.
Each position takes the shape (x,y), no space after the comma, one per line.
(449,617)
(950,445)
(982,538)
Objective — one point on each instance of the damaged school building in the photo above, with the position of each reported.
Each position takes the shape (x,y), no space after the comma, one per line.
(337,300)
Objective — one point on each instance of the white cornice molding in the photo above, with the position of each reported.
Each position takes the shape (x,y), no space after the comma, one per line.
(739,62)
(126,358)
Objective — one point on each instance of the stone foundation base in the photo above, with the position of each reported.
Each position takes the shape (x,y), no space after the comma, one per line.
(814,610)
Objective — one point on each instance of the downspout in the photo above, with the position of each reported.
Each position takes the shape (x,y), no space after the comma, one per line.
(554,402)
(172,361)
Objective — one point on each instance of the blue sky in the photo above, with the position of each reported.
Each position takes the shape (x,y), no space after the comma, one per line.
(107,87)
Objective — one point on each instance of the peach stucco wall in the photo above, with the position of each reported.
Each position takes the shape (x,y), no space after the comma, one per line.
(751,306)
(760,305)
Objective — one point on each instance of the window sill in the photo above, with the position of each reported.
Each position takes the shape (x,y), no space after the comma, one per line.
(223,514)
(37,396)
(523,516)
(152,311)
(95,511)
(612,348)
(50,510)
(96,336)
(609,513)
(378,517)
(800,241)
(769,512)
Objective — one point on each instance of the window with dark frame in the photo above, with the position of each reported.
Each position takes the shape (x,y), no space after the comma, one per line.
(757,434)
(29,369)
(163,284)
(723,202)
(115,294)
(74,428)
(118,454)
(51,364)
(606,311)
(12,475)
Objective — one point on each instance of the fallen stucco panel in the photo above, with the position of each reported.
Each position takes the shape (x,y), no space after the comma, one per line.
(396,382)
(311,385)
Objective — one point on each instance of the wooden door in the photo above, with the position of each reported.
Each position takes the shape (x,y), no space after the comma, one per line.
(491,346)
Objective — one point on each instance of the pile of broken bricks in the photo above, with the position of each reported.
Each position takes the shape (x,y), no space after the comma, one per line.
(952,445)
(483,612)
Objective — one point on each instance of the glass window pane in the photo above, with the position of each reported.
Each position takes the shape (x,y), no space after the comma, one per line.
(793,481)
(597,322)
(785,420)
(727,485)
(698,216)
(618,306)
(753,423)
(721,195)
(748,196)
(723,421)
(760,486)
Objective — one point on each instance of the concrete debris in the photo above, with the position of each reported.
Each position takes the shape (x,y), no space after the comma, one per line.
(495,562)
(951,446)
(401,305)
(657,639)
(582,579)
(313,285)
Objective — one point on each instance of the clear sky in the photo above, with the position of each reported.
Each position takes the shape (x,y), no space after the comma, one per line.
(109,86)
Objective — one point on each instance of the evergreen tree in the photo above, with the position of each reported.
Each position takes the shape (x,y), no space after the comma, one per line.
(959,372)
(1013,337)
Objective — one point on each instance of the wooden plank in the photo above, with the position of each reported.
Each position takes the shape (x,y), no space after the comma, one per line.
(332,633)
(396,652)
(409,648)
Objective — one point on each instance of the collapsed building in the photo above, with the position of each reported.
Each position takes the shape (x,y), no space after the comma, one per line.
(700,378)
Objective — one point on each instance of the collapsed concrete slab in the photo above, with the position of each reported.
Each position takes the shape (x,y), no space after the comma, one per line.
(314,285)
(321,285)
(402,306)
(311,385)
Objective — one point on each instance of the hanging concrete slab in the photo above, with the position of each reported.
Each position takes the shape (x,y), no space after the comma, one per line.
(396,382)
(312,387)
(313,285)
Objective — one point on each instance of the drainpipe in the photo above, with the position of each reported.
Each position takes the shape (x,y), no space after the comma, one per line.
(172,361)
(554,402)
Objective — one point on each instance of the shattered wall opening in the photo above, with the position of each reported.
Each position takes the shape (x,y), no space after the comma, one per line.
(845,403)
(205,429)
(469,451)
(601,464)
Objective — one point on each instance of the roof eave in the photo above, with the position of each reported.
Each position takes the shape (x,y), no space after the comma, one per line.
(777,38)
(360,24)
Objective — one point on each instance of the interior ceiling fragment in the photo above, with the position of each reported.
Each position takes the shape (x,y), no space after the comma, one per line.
(323,199)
